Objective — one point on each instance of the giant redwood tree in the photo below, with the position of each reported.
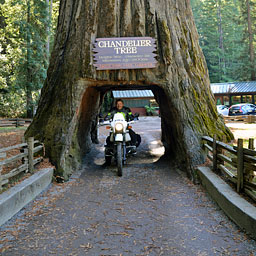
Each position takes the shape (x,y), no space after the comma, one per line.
(72,94)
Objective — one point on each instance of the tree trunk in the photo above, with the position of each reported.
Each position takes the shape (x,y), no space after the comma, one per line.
(72,94)
(29,100)
(49,17)
(221,43)
(251,47)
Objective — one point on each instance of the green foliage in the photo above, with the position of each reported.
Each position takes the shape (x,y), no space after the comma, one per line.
(223,34)
(150,110)
(24,30)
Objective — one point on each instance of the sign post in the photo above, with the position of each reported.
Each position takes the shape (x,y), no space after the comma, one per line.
(124,53)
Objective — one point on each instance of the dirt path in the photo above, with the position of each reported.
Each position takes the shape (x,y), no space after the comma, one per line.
(151,210)
(243,130)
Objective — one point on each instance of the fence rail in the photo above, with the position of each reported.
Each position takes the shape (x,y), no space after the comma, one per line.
(237,163)
(243,118)
(17,122)
(27,151)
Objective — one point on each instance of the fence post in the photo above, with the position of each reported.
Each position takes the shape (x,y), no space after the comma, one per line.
(2,155)
(0,178)
(214,151)
(31,154)
(251,144)
(250,175)
(17,122)
(240,165)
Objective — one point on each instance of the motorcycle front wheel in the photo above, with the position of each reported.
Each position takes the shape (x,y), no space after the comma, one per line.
(119,159)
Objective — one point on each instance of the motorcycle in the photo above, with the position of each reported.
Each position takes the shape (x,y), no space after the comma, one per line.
(119,142)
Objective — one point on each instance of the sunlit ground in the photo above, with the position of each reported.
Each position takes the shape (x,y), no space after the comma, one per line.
(243,131)
(151,148)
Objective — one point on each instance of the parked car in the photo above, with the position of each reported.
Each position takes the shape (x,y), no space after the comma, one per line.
(242,109)
(223,110)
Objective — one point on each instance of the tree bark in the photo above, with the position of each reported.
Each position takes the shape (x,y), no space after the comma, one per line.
(48,27)
(221,43)
(29,100)
(73,91)
(251,47)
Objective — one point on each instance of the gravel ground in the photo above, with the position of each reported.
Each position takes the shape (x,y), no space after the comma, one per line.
(152,210)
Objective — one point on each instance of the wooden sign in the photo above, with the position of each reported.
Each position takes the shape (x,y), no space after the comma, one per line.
(124,53)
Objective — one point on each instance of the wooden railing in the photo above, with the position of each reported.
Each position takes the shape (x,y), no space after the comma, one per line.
(237,163)
(27,151)
(17,122)
(245,119)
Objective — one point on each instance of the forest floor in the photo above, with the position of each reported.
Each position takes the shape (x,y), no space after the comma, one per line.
(152,210)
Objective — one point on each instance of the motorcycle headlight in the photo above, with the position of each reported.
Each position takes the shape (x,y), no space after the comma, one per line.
(119,127)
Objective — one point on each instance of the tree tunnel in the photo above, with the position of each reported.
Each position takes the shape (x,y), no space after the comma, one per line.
(172,134)
(66,118)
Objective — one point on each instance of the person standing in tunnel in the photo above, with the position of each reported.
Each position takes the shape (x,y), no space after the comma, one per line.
(120,108)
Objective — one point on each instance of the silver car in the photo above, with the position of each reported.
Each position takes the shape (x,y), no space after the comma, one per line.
(223,110)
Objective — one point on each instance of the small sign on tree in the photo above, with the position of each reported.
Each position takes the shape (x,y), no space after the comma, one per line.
(124,53)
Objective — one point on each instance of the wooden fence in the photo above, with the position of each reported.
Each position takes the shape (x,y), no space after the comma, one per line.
(245,119)
(237,163)
(17,122)
(27,151)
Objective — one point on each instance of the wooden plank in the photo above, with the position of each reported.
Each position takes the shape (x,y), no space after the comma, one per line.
(225,158)
(6,181)
(250,159)
(15,171)
(2,155)
(210,157)
(251,185)
(250,193)
(13,158)
(207,138)
(247,165)
(241,118)
(208,147)
(37,149)
(6,125)
(38,160)
(226,171)
(13,147)
(249,152)
(227,147)
(14,119)
(220,144)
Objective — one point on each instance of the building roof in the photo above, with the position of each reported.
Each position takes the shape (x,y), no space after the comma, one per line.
(133,94)
(234,87)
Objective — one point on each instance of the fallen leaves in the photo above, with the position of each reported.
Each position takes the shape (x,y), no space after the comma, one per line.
(120,234)
(86,247)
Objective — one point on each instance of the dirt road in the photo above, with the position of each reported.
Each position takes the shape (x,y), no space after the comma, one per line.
(151,210)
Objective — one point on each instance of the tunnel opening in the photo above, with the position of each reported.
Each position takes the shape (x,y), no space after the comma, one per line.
(171,126)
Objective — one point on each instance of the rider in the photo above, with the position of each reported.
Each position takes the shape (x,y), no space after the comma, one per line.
(120,108)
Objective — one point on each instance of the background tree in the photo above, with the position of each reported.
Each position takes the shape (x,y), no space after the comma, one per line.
(24,32)
(248,21)
(223,26)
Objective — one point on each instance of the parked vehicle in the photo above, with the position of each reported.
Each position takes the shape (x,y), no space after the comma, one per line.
(223,110)
(242,109)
